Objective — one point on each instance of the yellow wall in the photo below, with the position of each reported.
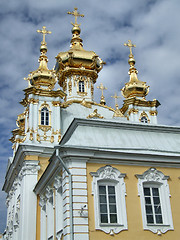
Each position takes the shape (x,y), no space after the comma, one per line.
(135,226)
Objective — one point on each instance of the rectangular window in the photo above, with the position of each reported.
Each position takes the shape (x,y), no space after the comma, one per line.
(81,86)
(107,204)
(153,205)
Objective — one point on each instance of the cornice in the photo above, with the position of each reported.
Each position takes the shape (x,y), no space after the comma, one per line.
(41,92)
(139,102)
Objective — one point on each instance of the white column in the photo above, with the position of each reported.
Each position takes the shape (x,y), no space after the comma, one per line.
(28,200)
(43,231)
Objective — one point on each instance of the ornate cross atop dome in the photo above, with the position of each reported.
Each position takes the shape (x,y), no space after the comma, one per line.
(130,45)
(76,14)
(116,98)
(44,32)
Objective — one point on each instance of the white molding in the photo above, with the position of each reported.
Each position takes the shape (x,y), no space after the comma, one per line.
(154,177)
(111,175)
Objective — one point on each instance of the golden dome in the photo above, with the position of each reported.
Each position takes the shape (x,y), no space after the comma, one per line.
(135,87)
(77,60)
(43,78)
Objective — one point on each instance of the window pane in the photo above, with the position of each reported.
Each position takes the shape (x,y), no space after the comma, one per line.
(111,189)
(147,200)
(147,192)
(113,218)
(155,191)
(156,200)
(103,208)
(159,219)
(112,208)
(102,198)
(112,199)
(102,189)
(149,218)
(148,209)
(104,218)
(157,209)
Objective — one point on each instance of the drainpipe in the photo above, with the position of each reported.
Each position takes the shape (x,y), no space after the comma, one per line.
(70,194)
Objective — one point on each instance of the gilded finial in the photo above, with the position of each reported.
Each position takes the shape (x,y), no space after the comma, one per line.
(75,14)
(130,45)
(44,32)
(135,87)
(102,88)
(116,98)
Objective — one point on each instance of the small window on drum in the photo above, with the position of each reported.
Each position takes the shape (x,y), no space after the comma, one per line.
(81,86)
(144,119)
(44,116)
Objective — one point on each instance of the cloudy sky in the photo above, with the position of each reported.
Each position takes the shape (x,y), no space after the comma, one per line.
(152,25)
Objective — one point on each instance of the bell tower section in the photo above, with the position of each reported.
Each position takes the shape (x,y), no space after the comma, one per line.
(136,108)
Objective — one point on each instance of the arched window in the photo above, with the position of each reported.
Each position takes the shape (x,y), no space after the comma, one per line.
(144,119)
(44,116)
(81,86)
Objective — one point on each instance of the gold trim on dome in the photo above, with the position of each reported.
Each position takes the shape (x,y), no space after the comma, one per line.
(95,114)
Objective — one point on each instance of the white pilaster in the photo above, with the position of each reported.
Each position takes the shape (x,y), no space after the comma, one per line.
(28,208)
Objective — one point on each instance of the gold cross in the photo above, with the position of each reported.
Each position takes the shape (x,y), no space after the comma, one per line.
(44,32)
(101,87)
(116,97)
(130,45)
(76,14)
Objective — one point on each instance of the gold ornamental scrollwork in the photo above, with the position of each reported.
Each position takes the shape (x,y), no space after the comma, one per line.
(44,128)
(153,113)
(33,101)
(56,103)
(95,114)
(132,110)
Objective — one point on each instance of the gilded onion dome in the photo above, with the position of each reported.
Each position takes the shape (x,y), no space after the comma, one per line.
(77,60)
(43,78)
(135,87)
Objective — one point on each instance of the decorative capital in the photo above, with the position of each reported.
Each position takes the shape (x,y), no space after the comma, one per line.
(29,168)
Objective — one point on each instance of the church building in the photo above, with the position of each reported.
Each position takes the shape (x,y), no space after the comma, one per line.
(82,170)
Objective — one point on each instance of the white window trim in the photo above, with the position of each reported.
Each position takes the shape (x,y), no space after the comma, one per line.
(154,177)
(110,175)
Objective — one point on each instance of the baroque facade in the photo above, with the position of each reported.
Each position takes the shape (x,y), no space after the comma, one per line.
(84,170)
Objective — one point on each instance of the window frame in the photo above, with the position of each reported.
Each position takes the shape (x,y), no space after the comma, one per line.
(81,85)
(110,176)
(154,178)
(41,126)
(45,115)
